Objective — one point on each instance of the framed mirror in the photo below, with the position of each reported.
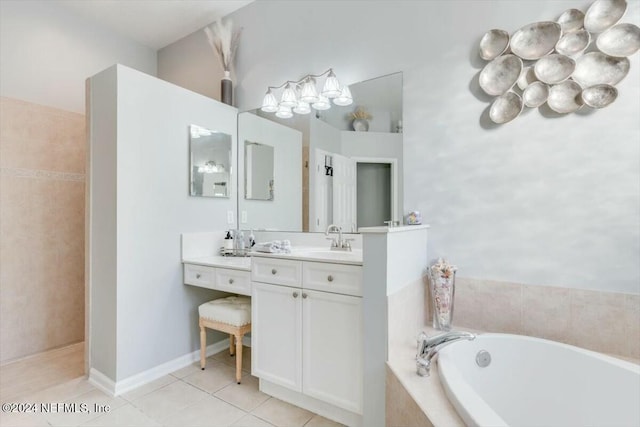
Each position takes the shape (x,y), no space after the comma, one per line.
(210,169)
(258,171)
(339,166)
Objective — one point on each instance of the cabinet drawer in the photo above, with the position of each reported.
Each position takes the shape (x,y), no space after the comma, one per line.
(277,271)
(235,281)
(338,278)
(199,275)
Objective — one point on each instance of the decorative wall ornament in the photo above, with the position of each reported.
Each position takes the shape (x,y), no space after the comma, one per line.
(544,62)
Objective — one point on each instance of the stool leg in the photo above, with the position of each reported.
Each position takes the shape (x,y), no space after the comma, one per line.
(203,346)
(238,358)
(232,344)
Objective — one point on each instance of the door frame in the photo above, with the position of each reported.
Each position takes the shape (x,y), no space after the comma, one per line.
(394,179)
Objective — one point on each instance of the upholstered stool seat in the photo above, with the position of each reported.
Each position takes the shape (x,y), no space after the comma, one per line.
(231,315)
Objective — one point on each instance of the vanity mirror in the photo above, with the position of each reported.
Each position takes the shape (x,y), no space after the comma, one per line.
(209,163)
(326,173)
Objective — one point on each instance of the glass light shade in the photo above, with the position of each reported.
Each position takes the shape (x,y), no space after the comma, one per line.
(322,103)
(289,98)
(345,97)
(331,87)
(309,93)
(284,112)
(302,108)
(269,103)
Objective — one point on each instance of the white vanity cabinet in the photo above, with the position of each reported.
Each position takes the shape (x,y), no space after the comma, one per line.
(232,279)
(307,333)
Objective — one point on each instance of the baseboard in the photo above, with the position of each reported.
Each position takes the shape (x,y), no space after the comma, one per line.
(325,409)
(104,383)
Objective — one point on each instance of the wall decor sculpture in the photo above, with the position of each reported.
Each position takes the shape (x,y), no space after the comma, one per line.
(548,63)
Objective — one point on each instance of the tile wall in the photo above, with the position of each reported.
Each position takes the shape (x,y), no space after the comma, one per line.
(42,193)
(606,322)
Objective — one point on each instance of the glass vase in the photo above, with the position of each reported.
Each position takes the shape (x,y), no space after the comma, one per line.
(442,293)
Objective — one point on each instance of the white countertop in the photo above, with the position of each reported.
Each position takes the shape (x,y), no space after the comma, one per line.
(235,263)
(317,254)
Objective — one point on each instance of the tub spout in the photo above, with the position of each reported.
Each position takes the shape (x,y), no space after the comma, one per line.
(429,347)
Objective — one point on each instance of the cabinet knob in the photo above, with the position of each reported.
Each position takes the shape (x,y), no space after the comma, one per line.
(304,295)
(231,281)
(198,276)
(274,271)
(330,278)
(295,295)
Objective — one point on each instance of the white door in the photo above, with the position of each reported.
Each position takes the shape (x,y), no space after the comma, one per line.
(344,192)
(332,348)
(276,328)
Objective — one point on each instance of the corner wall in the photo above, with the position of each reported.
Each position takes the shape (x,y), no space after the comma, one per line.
(144,198)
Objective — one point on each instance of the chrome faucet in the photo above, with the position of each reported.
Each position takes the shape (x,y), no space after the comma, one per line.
(340,244)
(429,347)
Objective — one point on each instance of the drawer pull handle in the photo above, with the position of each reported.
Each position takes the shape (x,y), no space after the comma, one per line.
(198,276)
(231,281)
(274,271)
(330,278)
(295,295)
(304,295)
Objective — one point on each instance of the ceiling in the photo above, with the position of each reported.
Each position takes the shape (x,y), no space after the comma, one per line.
(154,24)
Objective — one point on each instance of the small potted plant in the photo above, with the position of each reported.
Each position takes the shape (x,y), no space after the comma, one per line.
(360,119)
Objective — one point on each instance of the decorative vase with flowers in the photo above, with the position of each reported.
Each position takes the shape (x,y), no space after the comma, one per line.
(360,119)
(224,42)
(443,278)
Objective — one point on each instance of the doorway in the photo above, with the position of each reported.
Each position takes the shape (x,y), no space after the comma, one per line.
(375,193)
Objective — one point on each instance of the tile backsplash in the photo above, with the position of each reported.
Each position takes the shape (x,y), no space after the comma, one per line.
(606,322)
(42,194)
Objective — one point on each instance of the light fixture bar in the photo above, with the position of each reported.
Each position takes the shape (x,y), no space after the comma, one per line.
(299,95)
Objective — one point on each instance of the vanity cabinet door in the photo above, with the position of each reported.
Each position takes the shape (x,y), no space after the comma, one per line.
(332,348)
(276,334)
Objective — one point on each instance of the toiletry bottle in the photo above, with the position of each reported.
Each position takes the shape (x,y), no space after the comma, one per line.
(252,239)
(228,243)
(241,241)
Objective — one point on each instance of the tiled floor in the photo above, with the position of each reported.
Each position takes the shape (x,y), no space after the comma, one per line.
(187,397)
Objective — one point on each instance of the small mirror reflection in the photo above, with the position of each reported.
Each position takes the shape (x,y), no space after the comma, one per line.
(258,171)
(210,162)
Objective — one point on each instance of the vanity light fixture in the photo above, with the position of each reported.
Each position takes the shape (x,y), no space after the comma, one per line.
(299,96)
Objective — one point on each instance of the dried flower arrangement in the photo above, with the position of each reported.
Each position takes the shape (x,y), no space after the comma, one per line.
(442,269)
(442,291)
(360,113)
(224,41)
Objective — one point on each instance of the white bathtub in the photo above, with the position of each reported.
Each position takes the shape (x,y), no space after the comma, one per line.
(536,382)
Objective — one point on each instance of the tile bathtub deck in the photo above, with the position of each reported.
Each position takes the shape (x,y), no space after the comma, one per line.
(187,397)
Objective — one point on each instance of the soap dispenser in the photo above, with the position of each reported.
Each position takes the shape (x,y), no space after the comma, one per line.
(228,243)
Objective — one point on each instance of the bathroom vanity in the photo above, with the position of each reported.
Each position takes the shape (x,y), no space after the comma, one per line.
(307,331)
(219,273)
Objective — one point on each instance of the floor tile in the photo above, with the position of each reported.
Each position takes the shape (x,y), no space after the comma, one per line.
(224,357)
(245,396)
(88,403)
(251,421)
(125,416)
(282,414)
(209,411)
(17,419)
(212,379)
(148,388)
(320,421)
(59,393)
(168,400)
(195,367)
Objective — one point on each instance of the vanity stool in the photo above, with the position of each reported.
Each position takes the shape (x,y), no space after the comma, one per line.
(231,315)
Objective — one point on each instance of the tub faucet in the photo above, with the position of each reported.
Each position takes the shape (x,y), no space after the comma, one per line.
(429,347)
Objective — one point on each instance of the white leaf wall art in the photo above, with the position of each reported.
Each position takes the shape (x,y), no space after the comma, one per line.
(545,62)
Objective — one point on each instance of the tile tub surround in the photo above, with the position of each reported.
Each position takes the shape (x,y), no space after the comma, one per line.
(42,193)
(606,322)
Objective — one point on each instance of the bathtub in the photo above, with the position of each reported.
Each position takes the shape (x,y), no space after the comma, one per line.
(536,382)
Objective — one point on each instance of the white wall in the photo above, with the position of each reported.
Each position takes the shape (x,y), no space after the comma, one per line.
(147,209)
(284,212)
(47,52)
(541,200)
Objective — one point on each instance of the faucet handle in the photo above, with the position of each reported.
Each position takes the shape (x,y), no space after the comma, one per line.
(346,243)
(334,242)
